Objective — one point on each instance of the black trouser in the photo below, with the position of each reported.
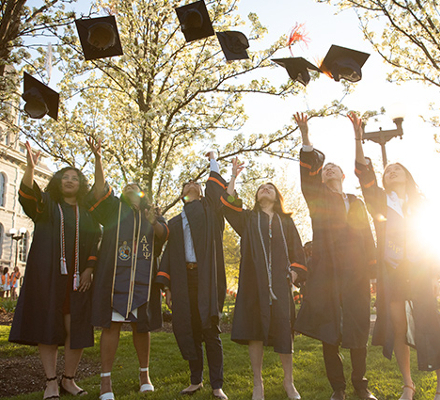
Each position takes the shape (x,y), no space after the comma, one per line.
(335,371)
(213,343)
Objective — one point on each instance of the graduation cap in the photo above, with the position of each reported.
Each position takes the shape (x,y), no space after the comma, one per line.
(343,63)
(40,99)
(297,67)
(194,21)
(234,44)
(99,37)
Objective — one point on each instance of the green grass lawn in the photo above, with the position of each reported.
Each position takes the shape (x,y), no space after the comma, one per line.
(170,374)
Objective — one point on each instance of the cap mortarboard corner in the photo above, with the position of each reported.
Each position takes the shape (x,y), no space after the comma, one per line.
(99,37)
(194,21)
(234,45)
(40,99)
(297,67)
(344,63)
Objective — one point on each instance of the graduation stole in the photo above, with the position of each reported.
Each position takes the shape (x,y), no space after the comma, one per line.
(63,261)
(134,249)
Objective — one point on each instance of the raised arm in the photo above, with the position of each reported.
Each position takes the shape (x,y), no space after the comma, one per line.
(358,132)
(237,167)
(32,160)
(311,162)
(95,147)
(301,121)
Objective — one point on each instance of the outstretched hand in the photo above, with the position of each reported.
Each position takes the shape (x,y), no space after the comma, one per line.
(32,158)
(95,146)
(237,167)
(301,120)
(357,124)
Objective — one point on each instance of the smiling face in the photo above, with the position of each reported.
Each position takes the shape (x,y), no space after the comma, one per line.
(332,172)
(70,183)
(394,174)
(266,192)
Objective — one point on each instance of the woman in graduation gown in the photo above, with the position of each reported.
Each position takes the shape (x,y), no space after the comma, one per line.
(54,305)
(407,284)
(123,288)
(272,259)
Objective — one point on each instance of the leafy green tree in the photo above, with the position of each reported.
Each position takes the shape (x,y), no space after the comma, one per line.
(404,33)
(162,104)
(21,26)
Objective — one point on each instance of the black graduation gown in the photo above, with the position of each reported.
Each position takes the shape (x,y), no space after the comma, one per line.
(105,210)
(206,224)
(256,316)
(342,263)
(421,275)
(39,316)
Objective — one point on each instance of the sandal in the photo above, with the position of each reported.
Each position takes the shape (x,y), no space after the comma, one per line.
(63,390)
(146,387)
(55,396)
(107,395)
(413,391)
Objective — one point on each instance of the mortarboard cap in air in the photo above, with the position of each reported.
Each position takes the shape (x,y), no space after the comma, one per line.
(194,21)
(99,37)
(298,68)
(343,63)
(40,99)
(234,44)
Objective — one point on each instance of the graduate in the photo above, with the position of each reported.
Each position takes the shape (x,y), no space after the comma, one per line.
(336,304)
(272,260)
(407,282)
(192,273)
(124,290)
(54,305)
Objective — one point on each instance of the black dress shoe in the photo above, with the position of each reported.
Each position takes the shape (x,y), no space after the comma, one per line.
(365,394)
(338,395)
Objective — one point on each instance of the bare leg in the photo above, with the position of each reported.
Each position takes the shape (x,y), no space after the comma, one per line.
(256,356)
(401,349)
(48,355)
(141,343)
(109,345)
(287,363)
(72,358)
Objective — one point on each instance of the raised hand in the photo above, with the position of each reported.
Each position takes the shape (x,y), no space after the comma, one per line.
(32,158)
(95,146)
(357,125)
(301,120)
(237,167)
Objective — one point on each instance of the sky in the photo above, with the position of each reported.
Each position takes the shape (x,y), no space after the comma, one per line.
(334,136)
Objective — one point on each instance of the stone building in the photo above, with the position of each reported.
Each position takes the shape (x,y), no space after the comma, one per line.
(14,248)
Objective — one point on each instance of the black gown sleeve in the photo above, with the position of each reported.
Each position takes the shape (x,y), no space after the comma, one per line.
(104,207)
(32,200)
(311,163)
(296,253)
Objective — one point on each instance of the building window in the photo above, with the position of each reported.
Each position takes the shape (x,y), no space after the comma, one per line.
(22,248)
(2,189)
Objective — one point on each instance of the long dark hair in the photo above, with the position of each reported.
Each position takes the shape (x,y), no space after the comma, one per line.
(279,201)
(415,196)
(54,185)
